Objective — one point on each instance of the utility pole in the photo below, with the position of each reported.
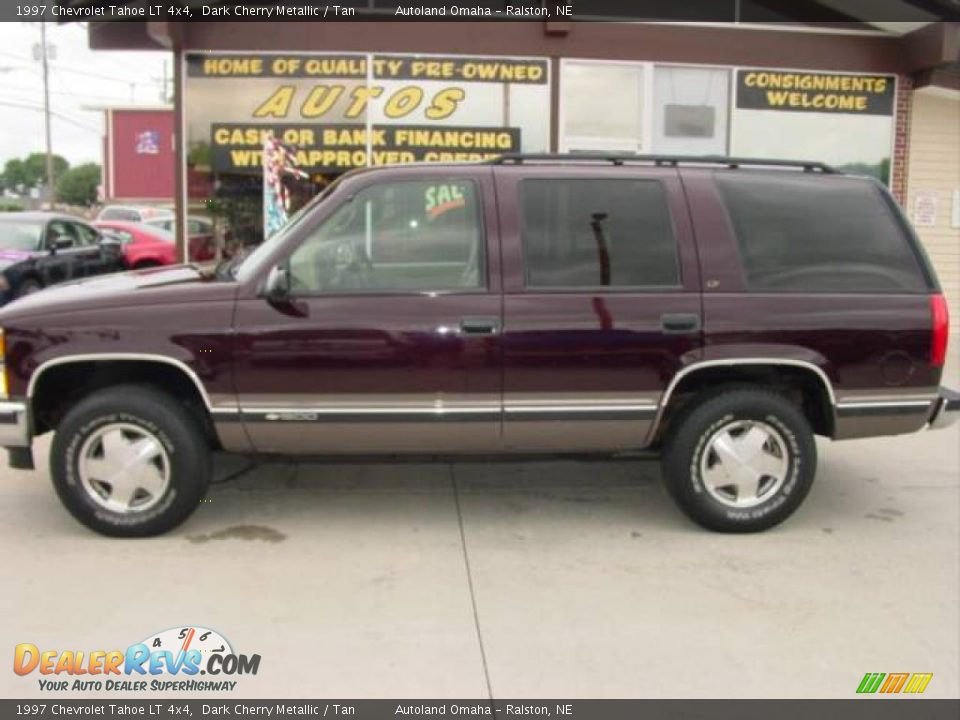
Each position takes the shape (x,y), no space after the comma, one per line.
(46,112)
(164,80)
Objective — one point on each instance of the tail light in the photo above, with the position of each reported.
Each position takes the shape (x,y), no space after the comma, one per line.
(941,330)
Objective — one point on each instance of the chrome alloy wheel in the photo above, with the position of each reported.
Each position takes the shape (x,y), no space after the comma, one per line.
(124,468)
(744,464)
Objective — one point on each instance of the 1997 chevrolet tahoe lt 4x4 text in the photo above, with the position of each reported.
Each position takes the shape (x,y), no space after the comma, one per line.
(718,311)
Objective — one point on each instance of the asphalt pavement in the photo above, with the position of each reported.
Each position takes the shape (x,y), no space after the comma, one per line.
(527,580)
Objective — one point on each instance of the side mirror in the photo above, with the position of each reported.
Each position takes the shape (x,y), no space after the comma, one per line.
(60,242)
(277,286)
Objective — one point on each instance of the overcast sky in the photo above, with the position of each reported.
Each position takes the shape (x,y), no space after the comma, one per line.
(79,78)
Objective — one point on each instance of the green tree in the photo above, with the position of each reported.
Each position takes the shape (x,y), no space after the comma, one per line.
(35,168)
(30,172)
(14,175)
(78,185)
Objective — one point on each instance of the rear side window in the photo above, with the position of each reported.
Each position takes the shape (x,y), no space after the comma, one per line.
(590,233)
(818,234)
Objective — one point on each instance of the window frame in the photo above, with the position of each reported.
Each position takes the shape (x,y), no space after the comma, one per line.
(587,144)
(595,289)
(483,288)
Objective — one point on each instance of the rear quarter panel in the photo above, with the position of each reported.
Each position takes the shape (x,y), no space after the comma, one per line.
(874,348)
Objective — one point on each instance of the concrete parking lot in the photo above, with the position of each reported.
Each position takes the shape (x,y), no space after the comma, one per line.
(546,579)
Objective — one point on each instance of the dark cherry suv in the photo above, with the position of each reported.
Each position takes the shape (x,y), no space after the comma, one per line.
(720,312)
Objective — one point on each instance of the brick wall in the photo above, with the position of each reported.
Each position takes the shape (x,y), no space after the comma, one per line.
(901,141)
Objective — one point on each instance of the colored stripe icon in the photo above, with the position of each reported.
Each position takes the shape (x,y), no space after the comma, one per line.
(913,683)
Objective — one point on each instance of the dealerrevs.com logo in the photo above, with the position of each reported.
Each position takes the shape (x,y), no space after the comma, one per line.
(171,660)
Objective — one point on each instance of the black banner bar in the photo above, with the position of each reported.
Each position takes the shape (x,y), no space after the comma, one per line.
(354,65)
(795,91)
(763,11)
(237,147)
(220,707)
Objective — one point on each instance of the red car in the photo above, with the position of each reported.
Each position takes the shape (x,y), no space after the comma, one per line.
(143,245)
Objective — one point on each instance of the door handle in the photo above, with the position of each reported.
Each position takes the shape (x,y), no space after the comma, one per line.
(680,323)
(480,325)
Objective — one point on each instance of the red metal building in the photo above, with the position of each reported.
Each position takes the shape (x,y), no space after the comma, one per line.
(139,155)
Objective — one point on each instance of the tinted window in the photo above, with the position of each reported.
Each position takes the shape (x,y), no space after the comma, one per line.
(595,233)
(818,234)
(404,236)
(116,213)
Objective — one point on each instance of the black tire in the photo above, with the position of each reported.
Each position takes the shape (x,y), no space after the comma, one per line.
(688,450)
(29,287)
(144,410)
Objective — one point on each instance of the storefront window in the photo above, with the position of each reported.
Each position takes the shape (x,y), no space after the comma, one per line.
(601,106)
(691,106)
(843,120)
(335,112)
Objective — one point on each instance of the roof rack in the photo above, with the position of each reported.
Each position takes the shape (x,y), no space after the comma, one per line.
(663,160)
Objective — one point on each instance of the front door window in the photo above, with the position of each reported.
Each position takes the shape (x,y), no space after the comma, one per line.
(416,236)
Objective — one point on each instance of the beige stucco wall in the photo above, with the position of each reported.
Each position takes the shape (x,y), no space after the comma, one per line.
(934,165)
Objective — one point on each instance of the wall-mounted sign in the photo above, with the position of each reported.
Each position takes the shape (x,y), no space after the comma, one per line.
(925,204)
(815,92)
(689,121)
(844,120)
(419,107)
(148,143)
(238,148)
(384,67)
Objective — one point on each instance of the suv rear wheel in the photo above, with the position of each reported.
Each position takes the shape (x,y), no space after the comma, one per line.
(740,460)
(130,462)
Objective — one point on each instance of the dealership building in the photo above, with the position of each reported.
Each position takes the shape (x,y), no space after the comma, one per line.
(871,98)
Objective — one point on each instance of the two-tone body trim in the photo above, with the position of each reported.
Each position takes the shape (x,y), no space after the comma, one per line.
(14,424)
(340,414)
(584,410)
(882,407)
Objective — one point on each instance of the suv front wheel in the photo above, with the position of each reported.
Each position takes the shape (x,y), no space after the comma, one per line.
(130,462)
(740,460)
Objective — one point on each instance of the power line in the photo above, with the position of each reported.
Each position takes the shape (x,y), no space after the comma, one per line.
(62,68)
(57,115)
(54,91)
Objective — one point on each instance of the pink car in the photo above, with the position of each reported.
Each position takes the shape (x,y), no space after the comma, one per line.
(143,245)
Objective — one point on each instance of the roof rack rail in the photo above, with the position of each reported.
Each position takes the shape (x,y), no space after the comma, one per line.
(663,160)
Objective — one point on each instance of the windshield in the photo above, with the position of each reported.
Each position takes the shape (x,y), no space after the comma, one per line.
(20,235)
(249,263)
